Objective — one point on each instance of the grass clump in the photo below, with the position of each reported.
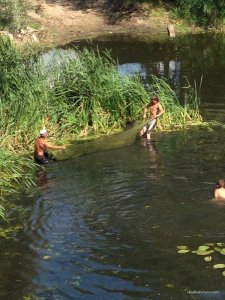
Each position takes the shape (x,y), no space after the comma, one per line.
(205,13)
(14,14)
(176,116)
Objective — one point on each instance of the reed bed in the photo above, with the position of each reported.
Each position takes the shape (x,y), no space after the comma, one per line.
(79,94)
(177,116)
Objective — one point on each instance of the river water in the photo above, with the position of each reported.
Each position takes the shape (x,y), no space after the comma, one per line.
(106,224)
(198,59)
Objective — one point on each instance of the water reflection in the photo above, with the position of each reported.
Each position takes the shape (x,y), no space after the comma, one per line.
(191,57)
(132,69)
(150,146)
(170,70)
(41,175)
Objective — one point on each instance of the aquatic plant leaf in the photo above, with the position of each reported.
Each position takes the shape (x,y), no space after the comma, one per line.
(182,247)
(222,251)
(169,285)
(209,244)
(208,258)
(203,248)
(183,251)
(220,244)
(218,249)
(46,257)
(219,266)
(223,273)
(204,252)
(2,234)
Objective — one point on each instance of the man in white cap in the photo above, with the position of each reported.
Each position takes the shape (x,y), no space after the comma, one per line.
(41,147)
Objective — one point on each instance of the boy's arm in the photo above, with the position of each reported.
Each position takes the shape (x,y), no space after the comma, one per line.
(161,110)
(49,146)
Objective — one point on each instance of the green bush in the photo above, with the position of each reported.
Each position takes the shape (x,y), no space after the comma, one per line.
(202,12)
(13,14)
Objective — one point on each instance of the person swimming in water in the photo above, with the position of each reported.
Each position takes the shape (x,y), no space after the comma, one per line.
(219,192)
(41,146)
(154,109)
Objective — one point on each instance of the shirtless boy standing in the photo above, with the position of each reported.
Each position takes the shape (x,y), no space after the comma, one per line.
(154,109)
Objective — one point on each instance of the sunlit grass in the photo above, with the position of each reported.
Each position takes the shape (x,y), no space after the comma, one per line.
(176,116)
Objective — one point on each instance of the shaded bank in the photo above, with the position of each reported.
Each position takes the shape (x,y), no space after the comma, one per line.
(64,21)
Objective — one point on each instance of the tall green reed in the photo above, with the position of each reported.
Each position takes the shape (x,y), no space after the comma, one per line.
(90,82)
(176,116)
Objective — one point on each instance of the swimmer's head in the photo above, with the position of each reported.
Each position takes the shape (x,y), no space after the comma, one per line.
(220,183)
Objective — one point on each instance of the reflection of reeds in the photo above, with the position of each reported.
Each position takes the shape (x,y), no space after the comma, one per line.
(80,95)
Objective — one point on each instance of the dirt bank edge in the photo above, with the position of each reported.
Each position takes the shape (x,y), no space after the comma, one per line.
(63,23)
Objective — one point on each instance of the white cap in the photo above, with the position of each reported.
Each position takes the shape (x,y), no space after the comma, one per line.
(43,132)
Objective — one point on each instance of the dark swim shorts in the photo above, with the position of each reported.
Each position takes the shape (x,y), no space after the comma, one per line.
(44,159)
(41,159)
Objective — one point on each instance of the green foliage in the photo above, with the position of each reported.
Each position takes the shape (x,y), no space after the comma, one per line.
(176,115)
(217,249)
(91,84)
(13,14)
(202,12)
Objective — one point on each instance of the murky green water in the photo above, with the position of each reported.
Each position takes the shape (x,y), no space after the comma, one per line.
(106,225)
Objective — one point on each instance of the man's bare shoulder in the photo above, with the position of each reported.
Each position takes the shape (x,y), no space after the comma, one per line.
(220,193)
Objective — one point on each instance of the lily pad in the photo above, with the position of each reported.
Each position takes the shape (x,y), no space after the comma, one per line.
(209,244)
(222,251)
(218,249)
(182,247)
(204,252)
(203,248)
(208,258)
(183,251)
(219,266)
(220,244)
(46,257)
(169,285)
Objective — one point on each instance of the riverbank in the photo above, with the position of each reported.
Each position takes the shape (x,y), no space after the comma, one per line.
(65,21)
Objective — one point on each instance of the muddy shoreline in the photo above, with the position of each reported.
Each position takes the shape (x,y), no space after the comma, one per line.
(65,21)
